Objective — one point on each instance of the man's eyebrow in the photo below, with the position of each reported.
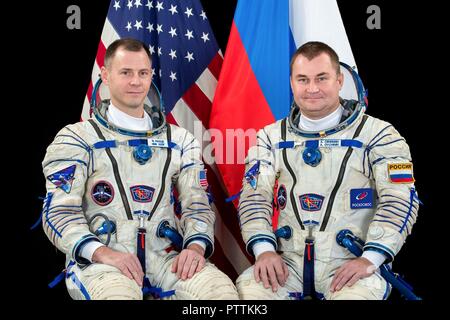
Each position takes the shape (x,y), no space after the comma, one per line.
(128,69)
(317,75)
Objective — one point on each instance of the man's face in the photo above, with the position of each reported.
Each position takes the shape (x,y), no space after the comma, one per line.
(128,77)
(315,86)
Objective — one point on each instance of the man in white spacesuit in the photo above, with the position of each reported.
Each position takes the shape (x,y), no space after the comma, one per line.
(327,167)
(117,172)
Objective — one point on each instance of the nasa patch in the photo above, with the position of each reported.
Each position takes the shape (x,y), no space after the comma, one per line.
(311,201)
(63,179)
(142,193)
(282,197)
(361,198)
(102,193)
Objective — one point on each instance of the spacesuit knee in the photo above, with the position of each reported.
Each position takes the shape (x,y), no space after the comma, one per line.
(106,285)
(114,286)
(208,284)
(370,288)
(249,289)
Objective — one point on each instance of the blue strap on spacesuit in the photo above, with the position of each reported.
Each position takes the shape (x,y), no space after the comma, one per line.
(321,143)
(57,279)
(45,211)
(156,292)
(347,239)
(67,273)
(136,142)
(309,289)
(311,154)
(412,196)
(47,200)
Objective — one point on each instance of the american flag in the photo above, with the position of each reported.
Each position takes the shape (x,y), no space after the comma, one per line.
(186,63)
(203,179)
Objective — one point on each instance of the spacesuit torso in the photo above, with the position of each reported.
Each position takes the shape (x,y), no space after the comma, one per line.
(358,177)
(91,168)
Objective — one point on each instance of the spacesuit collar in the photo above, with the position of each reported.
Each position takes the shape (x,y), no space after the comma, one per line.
(157,117)
(351,111)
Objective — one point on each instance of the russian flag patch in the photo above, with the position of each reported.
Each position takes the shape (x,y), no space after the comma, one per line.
(401,172)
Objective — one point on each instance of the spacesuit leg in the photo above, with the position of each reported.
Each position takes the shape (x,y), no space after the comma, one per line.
(370,288)
(101,282)
(208,284)
(249,289)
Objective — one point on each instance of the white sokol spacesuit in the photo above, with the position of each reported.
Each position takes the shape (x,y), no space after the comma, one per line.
(94,167)
(357,176)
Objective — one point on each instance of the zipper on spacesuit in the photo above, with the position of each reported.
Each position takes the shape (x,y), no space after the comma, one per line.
(141,231)
(294,179)
(309,242)
(309,290)
(147,288)
(340,176)
(115,167)
(162,189)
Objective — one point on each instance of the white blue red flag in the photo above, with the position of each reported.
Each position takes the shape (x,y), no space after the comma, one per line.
(253,89)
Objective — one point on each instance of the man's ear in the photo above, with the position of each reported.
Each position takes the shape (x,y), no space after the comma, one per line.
(340,80)
(104,74)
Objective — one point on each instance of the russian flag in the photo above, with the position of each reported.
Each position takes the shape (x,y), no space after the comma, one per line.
(253,88)
(401,172)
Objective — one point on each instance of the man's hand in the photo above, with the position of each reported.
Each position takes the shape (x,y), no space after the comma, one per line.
(350,272)
(127,263)
(271,269)
(190,261)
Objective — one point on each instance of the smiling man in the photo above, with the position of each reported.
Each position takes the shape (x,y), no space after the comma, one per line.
(110,196)
(327,167)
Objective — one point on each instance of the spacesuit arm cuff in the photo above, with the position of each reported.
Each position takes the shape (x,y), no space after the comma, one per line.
(76,251)
(375,257)
(87,251)
(261,247)
(373,246)
(205,241)
(259,239)
(201,243)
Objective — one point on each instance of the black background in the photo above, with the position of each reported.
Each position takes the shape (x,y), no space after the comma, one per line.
(55,73)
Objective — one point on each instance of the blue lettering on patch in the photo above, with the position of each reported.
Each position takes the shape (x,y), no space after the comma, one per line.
(361,198)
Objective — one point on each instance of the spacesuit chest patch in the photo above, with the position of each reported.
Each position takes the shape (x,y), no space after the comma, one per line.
(102,193)
(63,179)
(361,198)
(141,193)
(311,202)
(400,172)
(282,197)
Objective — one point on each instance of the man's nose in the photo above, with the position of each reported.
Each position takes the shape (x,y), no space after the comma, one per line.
(312,87)
(135,80)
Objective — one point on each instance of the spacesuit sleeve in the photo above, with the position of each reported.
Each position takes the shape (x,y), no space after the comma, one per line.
(390,164)
(255,205)
(65,167)
(197,218)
